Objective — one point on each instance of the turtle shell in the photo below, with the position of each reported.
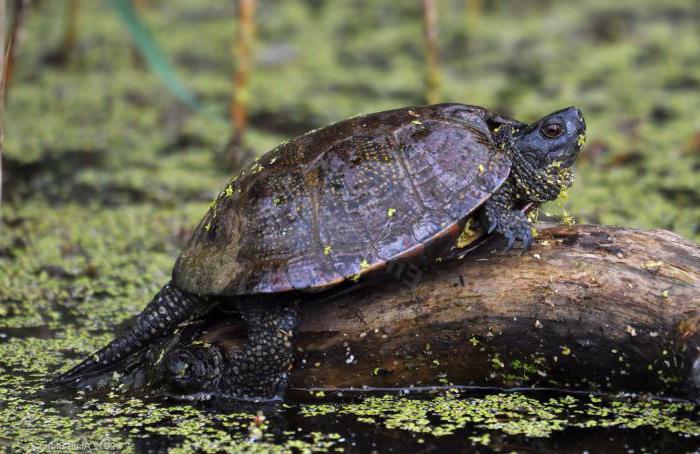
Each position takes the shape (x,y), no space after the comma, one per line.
(340,202)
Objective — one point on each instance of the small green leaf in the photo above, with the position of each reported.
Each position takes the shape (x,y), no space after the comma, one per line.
(152,53)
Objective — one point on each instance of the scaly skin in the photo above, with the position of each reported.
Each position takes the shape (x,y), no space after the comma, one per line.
(162,315)
(526,184)
(540,155)
(503,217)
(259,371)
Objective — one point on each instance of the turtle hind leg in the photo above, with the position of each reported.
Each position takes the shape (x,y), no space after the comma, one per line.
(260,370)
(169,308)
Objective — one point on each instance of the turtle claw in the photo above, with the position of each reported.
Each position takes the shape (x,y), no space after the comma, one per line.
(492,227)
(511,241)
(518,232)
(527,241)
(512,224)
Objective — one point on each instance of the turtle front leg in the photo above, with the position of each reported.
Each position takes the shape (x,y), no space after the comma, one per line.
(505,219)
(260,370)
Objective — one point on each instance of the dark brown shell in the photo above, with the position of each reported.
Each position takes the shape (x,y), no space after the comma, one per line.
(341,201)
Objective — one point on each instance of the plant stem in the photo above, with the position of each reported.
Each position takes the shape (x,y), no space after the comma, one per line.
(242,54)
(474,10)
(71,31)
(14,41)
(3,28)
(432,69)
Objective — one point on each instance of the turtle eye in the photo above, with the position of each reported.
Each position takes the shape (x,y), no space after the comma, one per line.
(552,130)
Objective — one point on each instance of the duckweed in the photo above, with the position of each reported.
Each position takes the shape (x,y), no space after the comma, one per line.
(106,176)
(513,413)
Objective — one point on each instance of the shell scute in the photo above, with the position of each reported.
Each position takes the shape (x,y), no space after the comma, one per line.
(341,201)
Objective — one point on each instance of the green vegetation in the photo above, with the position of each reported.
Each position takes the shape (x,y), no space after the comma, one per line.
(513,414)
(106,173)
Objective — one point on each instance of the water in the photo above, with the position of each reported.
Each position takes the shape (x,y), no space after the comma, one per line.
(104,181)
(438,420)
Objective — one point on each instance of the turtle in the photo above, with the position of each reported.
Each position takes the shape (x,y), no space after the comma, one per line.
(332,209)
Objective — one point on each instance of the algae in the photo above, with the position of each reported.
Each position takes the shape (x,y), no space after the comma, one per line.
(106,175)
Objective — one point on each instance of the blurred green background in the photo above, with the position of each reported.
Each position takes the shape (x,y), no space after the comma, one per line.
(103,129)
(105,172)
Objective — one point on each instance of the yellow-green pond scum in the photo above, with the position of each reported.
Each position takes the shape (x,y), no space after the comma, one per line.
(105,175)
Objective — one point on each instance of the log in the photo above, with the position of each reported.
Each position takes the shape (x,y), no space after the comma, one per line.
(592,308)
(588,307)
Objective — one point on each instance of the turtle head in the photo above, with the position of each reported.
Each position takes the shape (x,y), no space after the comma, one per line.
(556,138)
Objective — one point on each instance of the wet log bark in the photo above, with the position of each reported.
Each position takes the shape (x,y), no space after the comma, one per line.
(588,307)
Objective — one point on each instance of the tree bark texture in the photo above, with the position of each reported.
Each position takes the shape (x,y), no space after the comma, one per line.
(588,307)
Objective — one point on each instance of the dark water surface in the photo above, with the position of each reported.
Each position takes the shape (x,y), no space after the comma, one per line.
(438,420)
